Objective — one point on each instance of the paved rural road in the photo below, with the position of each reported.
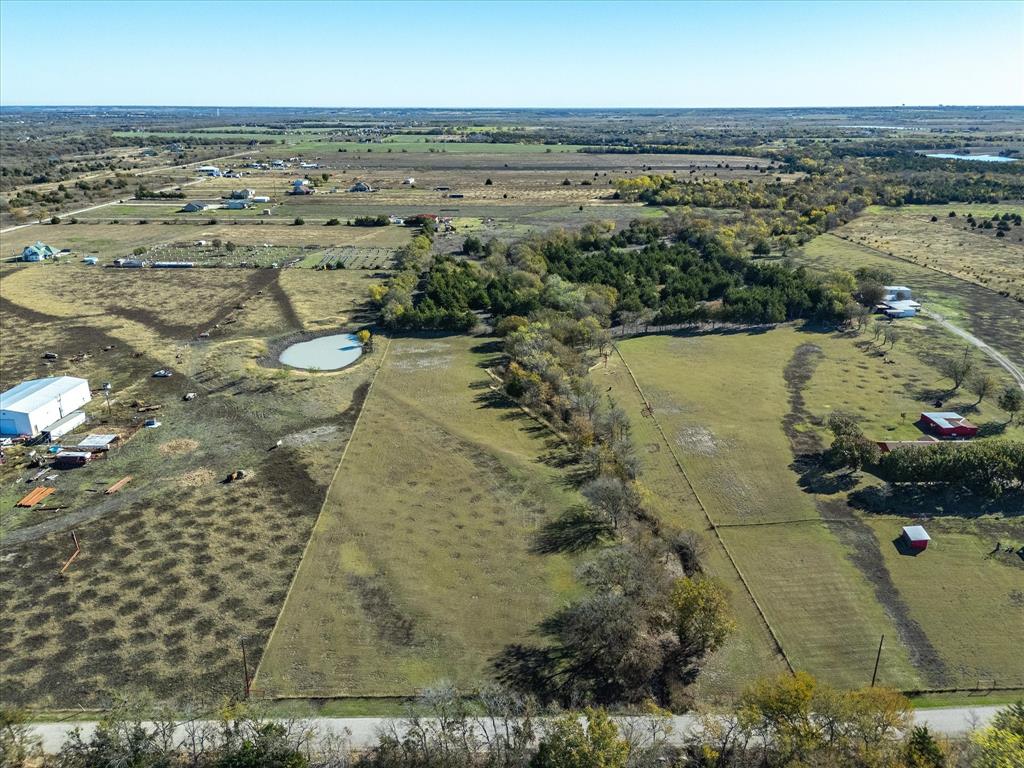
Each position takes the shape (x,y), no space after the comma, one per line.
(1011,368)
(363,731)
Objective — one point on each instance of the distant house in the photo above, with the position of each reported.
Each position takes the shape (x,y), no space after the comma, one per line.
(897,302)
(302,187)
(948,424)
(896,293)
(360,186)
(260,199)
(237,205)
(242,194)
(195,206)
(901,308)
(209,170)
(915,537)
(38,252)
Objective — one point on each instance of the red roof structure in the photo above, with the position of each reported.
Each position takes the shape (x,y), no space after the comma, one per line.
(948,424)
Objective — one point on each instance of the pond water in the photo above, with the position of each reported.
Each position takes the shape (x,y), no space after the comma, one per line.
(327,353)
(979,158)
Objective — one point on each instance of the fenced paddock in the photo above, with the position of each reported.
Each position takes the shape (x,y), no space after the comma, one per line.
(353,257)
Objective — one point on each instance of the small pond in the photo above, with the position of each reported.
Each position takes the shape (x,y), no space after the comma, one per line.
(979,158)
(327,353)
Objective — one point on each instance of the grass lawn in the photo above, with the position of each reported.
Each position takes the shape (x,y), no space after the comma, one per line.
(419,567)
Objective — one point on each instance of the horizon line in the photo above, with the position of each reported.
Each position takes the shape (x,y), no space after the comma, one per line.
(507,108)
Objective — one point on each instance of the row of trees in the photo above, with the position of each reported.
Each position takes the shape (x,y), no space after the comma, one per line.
(988,467)
(784,721)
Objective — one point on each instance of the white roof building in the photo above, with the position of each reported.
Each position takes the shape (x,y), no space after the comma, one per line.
(32,406)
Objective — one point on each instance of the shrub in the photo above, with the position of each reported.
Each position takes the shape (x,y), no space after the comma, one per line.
(299,221)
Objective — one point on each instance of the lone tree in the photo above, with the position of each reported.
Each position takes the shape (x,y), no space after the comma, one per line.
(1011,401)
(958,369)
(982,385)
(700,613)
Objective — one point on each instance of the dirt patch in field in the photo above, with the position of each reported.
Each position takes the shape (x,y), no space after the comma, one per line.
(178,447)
(197,478)
(698,440)
(309,436)
(865,552)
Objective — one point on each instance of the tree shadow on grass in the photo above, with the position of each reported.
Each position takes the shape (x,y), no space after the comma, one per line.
(815,476)
(577,530)
(992,428)
(914,501)
(493,349)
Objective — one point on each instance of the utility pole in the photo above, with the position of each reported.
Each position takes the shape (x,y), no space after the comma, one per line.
(875,674)
(245,665)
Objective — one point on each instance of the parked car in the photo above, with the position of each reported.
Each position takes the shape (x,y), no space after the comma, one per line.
(163,373)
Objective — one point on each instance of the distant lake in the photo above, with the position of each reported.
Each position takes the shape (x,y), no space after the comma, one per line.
(979,158)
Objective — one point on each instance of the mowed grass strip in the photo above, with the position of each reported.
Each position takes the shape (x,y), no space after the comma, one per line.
(419,568)
(722,399)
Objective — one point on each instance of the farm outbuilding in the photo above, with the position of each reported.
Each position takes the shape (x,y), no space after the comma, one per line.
(948,424)
(360,186)
(915,536)
(38,252)
(32,407)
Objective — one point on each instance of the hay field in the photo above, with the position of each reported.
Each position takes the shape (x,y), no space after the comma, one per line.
(817,566)
(178,565)
(948,245)
(419,567)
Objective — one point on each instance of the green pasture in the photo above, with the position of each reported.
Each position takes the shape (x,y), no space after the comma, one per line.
(419,567)
(732,407)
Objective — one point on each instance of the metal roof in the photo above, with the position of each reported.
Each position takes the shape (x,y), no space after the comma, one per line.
(29,395)
(916,533)
(947,419)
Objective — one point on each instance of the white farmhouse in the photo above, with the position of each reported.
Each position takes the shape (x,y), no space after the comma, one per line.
(44,405)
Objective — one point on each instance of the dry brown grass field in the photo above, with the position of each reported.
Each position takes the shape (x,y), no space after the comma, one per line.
(179,564)
(949,244)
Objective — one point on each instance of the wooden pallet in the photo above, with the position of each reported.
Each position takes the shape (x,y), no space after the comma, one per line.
(118,485)
(34,496)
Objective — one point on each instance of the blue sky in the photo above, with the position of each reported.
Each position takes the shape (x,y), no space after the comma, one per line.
(493,54)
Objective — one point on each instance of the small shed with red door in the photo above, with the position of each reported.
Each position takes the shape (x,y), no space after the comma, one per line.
(916,537)
(948,424)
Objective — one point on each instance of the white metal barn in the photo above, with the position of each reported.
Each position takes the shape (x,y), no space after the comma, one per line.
(32,406)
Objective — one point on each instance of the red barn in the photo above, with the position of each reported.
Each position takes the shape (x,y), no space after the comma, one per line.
(916,536)
(948,424)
